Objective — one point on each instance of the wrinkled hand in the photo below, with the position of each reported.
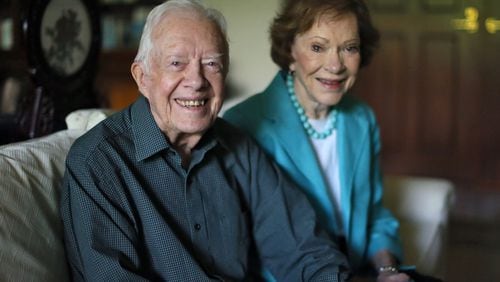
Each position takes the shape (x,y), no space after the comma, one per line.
(393,277)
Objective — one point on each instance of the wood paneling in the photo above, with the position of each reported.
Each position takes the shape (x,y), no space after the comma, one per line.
(387,79)
(436,91)
(436,103)
(389,5)
(440,6)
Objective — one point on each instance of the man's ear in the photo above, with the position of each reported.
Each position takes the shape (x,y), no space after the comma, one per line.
(139,75)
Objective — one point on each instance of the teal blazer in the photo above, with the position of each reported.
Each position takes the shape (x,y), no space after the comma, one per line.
(273,122)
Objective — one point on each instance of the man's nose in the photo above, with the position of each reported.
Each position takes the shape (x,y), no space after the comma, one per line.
(194,76)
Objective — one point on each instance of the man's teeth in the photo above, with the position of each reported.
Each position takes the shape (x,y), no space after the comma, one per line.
(191,103)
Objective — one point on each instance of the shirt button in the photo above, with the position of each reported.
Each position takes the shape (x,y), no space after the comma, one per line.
(197,226)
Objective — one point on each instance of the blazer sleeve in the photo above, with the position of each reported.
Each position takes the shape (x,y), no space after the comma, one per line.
(383,227)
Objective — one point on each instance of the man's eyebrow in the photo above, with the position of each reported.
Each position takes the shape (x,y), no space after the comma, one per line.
(174,56)
(213,56)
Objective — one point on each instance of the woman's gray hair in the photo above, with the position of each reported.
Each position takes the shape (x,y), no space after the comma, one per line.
(170,7)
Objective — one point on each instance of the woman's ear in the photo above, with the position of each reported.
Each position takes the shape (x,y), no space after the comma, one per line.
(139,76)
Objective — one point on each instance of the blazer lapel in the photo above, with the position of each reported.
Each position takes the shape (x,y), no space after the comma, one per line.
(291,133)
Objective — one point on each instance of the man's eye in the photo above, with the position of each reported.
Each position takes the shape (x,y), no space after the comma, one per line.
(176,65)
(213,65)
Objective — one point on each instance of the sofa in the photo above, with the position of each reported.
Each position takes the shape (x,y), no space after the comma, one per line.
(422,205)
(31,237)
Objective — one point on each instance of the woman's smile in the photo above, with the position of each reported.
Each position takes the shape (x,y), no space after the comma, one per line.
(331,84)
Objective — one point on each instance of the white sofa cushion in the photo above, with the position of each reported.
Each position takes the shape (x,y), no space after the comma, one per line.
(422,205)
(31,241)
(31,237)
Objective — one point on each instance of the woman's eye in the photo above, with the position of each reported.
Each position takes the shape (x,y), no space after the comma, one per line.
(352,49)
(316,48)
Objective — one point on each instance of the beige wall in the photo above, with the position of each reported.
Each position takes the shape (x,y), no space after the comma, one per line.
(251,67)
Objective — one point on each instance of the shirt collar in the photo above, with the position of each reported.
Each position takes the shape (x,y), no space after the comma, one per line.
(148,138)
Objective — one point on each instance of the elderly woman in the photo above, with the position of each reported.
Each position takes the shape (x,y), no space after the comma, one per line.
(327,140)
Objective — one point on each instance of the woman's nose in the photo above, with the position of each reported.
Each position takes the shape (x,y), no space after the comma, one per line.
(334,62)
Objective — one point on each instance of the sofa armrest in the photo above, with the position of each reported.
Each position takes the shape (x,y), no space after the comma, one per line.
(422,206)
(31,241)
(31,237)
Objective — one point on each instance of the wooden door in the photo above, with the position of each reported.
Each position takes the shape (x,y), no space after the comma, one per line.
(435,86)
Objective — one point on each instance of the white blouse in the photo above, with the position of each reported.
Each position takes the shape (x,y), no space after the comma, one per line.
(326,152)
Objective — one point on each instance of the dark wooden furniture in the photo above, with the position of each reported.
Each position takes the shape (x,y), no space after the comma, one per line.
(49,54)
(122,23)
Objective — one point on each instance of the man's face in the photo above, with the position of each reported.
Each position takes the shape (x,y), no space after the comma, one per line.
(186,79)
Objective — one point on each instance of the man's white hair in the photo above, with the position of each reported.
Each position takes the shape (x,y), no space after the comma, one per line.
(170,8)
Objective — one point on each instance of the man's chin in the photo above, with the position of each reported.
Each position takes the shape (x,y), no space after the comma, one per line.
(198,127)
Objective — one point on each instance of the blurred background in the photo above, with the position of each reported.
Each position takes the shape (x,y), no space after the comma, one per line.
(434,85)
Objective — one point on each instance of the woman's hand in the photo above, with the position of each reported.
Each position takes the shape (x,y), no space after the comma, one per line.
(393,277)
(385,263)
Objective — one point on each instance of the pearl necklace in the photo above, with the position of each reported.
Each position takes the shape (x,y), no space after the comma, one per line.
(332,116)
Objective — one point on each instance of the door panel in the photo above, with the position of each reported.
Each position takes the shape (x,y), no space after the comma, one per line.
(435,86)
(436,104)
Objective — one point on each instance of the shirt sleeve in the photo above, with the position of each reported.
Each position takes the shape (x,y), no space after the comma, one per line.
(288,238)
(100,239)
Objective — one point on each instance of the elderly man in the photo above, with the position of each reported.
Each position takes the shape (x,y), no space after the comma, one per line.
(165,190)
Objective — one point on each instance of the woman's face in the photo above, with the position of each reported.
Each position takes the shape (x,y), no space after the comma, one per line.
(326,62)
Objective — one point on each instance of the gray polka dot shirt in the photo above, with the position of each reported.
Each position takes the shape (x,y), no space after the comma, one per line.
(131,212)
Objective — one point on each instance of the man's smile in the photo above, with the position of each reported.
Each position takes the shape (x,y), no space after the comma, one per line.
(191,103)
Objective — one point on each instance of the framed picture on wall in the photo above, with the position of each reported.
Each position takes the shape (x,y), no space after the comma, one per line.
(63,42)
